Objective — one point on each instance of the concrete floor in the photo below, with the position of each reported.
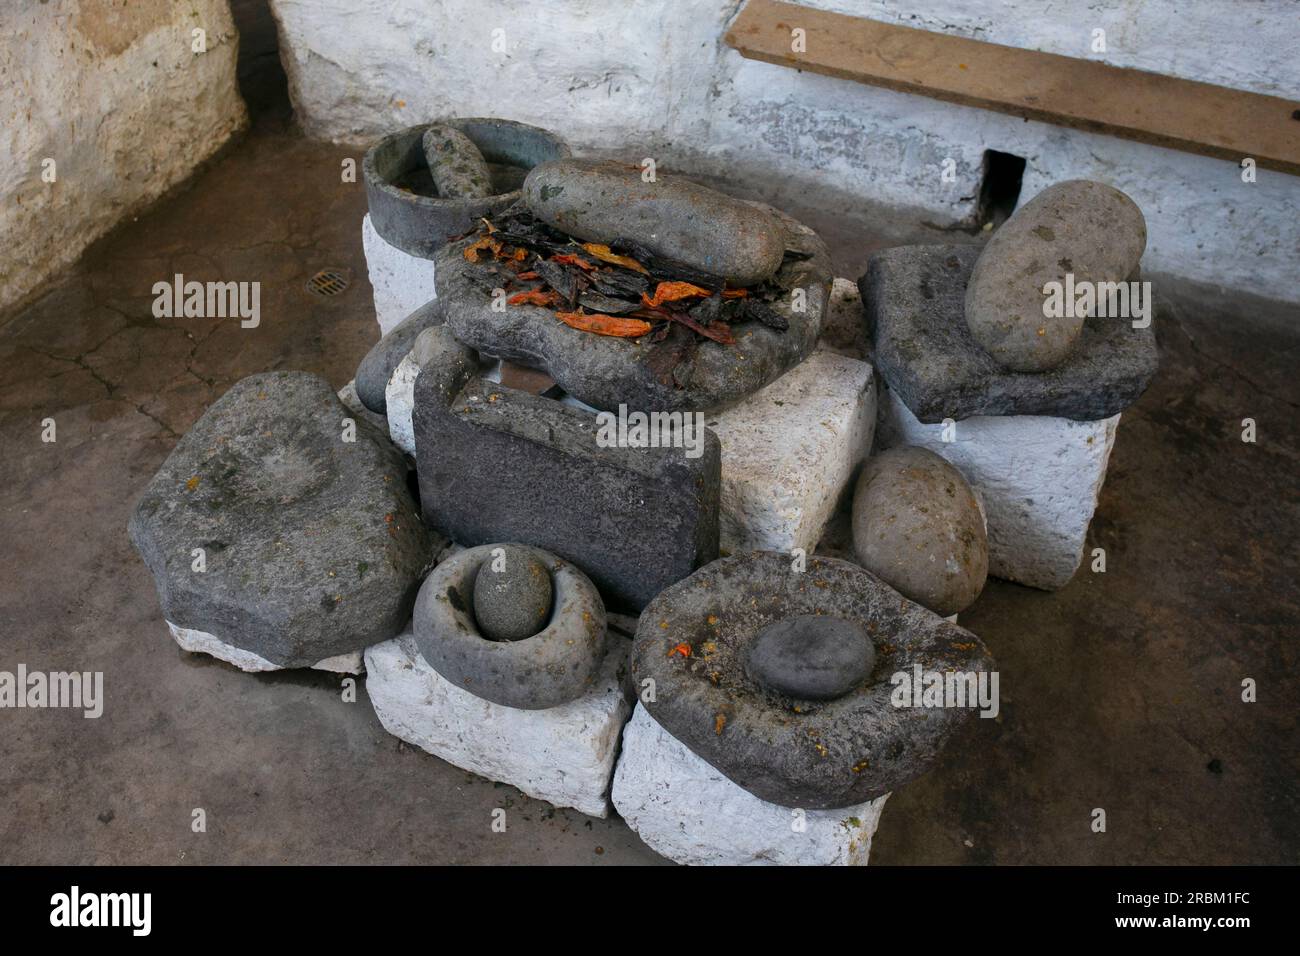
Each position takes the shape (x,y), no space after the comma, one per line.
(1122,691)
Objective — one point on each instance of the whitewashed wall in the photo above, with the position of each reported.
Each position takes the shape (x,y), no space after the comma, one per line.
(114,94)
(654,76)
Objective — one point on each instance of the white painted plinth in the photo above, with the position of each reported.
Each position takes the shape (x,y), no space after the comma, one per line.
(401,282)
(844,327)
(564,755)
(790,450)
(201,642)
(687,811)
(1039,478)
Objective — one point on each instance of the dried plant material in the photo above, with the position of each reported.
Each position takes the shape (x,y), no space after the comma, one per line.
(611,325)
(540,297)
(674,292)
(683,650)
(605,254)
(572,260)
(487,243)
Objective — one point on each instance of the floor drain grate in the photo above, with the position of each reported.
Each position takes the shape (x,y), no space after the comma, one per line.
(329,282)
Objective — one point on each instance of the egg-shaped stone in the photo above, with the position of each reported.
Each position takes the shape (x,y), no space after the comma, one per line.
(1071,234)
(513,594)
(918,527)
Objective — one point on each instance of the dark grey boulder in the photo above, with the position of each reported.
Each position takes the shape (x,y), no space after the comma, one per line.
(404,209)
(1087,229)
(692,642)
(918,527)
(605,201)
(549,668)
(813,657)
(313,545)
(605,372)
(498,464)
(457,168)
(512,594)
(914,298)
(377,367)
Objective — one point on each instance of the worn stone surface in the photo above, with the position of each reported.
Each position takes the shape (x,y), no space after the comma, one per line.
(91,139)
(605,201)
(917,526)
(926,353)
(399,188)
(498,464)
(844,329)
(1086,229)
(549,668)
(458,169)
(693,639)
(812,657)
(512,601)
(563,755)
(605,372)
(401,283)
(1039,478)
(312,545)
(201,642)
(789,452)
(314,781)
(687,811)
(380,362)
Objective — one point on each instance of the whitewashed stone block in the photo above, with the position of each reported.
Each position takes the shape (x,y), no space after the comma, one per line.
(844,327)
(689,812)
(790,450)
(399,398)
(1039,478)
(564,755)
(401,282)
(201,642)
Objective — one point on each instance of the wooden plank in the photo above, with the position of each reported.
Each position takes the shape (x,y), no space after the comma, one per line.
(1079,93)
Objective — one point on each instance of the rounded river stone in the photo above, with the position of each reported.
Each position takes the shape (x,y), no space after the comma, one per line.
(512,595)
(1086,229)
(694,641)
(552,667)
(458,169)
(812,657)
(603,201)
(918,527)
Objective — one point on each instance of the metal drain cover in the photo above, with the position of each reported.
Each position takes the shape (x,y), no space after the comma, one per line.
(329,282)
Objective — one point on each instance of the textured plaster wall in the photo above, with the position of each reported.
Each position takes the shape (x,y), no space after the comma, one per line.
(654,78)
(113,93)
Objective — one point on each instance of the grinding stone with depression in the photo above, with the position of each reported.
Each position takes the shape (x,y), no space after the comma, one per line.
(312,545)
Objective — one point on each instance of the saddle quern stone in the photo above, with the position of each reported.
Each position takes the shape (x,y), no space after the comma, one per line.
(312,545)
(546,669)
(604,372)
(693,641)
(499,464)
(914,297)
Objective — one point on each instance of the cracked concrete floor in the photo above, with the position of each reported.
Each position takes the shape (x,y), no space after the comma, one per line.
(1121,691)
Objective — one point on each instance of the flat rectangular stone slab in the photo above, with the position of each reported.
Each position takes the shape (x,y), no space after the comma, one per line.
(923,349)
(499,465)
(790,450)
(201,642)
(563,755)
(1039,478)
(401,282)
(687,811)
